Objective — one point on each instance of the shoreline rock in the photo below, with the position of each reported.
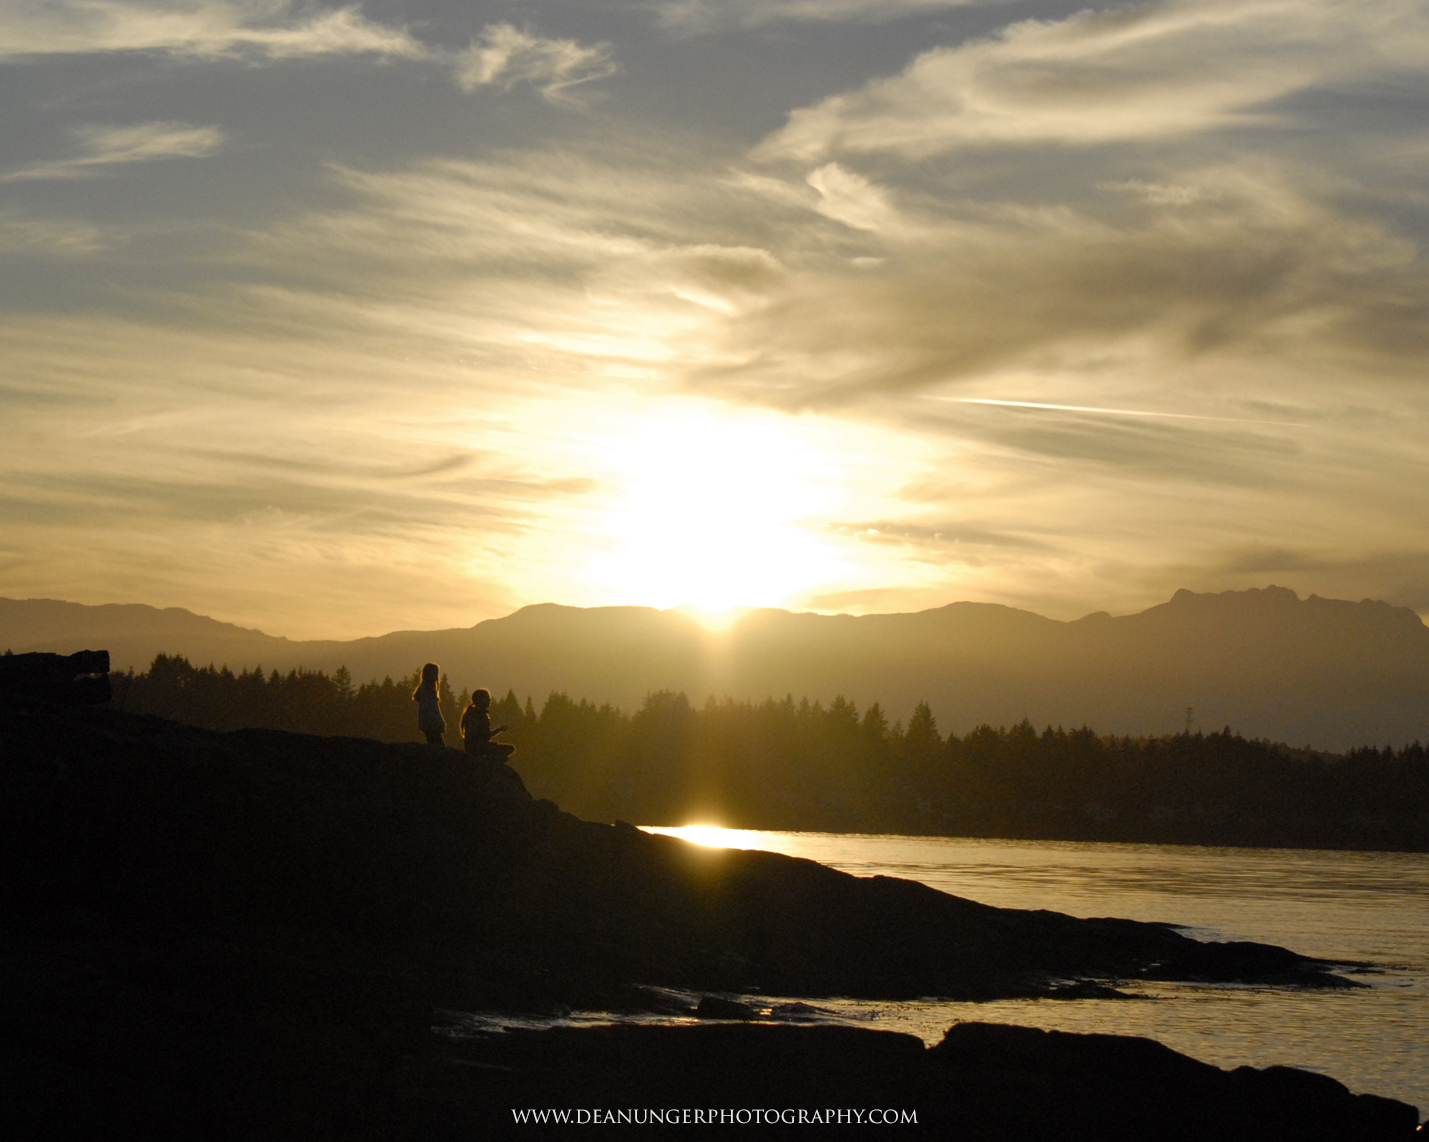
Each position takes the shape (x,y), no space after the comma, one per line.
(133,823)
(983,1081)
(252,930)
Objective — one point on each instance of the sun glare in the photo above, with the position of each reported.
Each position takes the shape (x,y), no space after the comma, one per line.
(714,620)
(714,511)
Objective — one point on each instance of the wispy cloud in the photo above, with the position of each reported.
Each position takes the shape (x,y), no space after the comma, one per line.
(579,263)
(848,197)
(1115,411)
(502,57)
(274,29)
(1251,266)
(1146,72)
(298,461)
(102,148)
(505,56)
(22,233)
(710,15)
(844,293)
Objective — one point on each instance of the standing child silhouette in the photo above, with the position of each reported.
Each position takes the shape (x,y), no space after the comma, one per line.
(477,732)
(429,705)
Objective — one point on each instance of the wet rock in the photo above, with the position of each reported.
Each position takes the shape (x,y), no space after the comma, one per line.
(1088,989)
(797,1011)
(1240,961)
(713,1007)
(1114,1086)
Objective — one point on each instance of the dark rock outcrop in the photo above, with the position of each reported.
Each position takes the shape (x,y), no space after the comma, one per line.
(982,1082)
(714,1007)
(245,934)
(129,824)
(79,679)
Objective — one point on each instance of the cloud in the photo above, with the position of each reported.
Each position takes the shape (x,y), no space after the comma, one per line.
(1115,411)
(106,147)
(944,534)
(505,56)
(850,298)
(22,233)
(273,29)
(390,479)
(574,266)
(1142,73)
(1249,266)
(502,57)
(848,197)
(695,16)
(1205,303)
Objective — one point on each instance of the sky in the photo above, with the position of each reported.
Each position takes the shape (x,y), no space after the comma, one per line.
(334,320)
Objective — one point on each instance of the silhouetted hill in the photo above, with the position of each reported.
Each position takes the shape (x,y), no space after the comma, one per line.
(1324,672)
(133,633)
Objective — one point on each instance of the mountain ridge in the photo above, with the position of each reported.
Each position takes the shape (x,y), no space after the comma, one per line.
(1327,672)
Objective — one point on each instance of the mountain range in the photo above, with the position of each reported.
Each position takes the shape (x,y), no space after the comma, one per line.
(1327,673)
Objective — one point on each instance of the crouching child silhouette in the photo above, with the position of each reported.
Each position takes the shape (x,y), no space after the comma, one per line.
(477,732)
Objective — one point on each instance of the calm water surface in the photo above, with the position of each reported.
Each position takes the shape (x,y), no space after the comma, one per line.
(1333,905)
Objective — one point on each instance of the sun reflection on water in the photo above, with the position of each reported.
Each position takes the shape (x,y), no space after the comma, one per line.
(715,836)
(1339,905)
(1354,906)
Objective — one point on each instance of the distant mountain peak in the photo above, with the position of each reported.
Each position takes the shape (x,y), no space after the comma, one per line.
(1270,594)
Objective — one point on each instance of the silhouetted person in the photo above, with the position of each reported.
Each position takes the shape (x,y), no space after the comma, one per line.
(429,705)
(477,732)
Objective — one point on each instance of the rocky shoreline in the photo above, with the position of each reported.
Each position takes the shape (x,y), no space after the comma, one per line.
(982,1082)
(251,931)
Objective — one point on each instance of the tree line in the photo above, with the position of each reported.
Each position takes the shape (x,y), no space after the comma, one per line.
(786,764)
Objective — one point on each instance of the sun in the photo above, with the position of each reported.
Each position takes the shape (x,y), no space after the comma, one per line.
(715,511)
(714,620)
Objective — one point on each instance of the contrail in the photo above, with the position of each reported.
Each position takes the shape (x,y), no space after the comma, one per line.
(1118,411)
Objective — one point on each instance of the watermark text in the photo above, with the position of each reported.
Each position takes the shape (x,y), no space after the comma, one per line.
(714,1116)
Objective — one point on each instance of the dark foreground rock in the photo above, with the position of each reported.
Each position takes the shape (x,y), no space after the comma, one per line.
(982,1082)
(245,934)
(79,679)
(272,1077)
(133,826)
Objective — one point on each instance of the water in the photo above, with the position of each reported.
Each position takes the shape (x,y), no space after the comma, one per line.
(1341,906)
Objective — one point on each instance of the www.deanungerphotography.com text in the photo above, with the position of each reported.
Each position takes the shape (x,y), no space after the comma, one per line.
(707,1116)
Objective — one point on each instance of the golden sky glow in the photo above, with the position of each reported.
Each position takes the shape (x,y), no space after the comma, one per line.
(333,320)
(718,510)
